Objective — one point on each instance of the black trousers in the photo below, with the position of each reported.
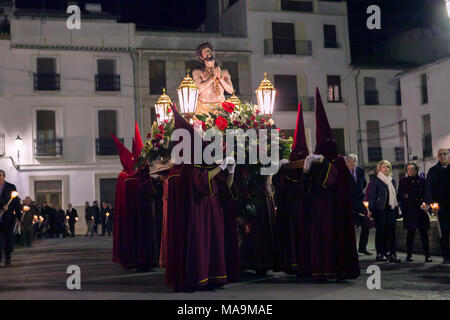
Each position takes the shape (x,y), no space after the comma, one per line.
(411,234)
(444,223)
(72,229)
(6,243)
(364,236)
(27,237)
(385,238)
(106,228)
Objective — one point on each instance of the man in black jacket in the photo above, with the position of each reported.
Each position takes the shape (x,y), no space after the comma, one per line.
(358,184)
(9,216)
(73,217)
(96,213)
(437,190)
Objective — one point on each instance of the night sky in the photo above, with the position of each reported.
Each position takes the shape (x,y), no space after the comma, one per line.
(397,16)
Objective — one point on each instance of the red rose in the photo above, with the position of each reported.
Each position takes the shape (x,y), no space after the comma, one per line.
(166,121)
(161,128)
(221,123)
(253,118)
(235,123)
(158,137)
(255,124)
(228,107)
(149,135)
(158,116)
(203,126)
(263,120)
(169,109)
(257,111)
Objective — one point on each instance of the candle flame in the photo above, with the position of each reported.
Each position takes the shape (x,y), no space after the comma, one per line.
(366,204)
(14,194)
(26,208)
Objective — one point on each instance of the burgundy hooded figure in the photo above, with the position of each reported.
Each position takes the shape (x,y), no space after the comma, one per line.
(120,203)
(139,230)
(195,248)
(290,235)
(331,242)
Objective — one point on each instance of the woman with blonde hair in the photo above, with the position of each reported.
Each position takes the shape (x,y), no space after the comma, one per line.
(383,206)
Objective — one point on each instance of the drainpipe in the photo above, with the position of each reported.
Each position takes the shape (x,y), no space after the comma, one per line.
(132,53)
(360,148)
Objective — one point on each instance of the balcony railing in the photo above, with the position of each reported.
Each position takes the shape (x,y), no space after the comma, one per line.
(331,44)
(107,82)
(46,82)
(287,46)
(300,6)
(48,147)
(375,154)
(371,97)
(398,97)
(106,147)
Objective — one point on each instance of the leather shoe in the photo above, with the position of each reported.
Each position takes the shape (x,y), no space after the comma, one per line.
(7,263)
(381,257)
(428,259)
(367,253)
(394,258)
(409,259)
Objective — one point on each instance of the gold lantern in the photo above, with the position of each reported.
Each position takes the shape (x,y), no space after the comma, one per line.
(161,108)
(265,95)
(187,95)
(234,99)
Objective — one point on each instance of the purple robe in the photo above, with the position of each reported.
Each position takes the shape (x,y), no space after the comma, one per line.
(289,206)
(329,251)
(257,245)
(195,230)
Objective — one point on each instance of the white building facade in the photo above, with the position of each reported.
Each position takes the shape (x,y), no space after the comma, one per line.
(426,108)
(305,44)
(62,92)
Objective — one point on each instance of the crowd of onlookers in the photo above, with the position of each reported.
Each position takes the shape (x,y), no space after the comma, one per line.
(415,199)
(48,221)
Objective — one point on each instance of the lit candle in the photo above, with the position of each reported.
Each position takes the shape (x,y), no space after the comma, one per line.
(76,218)
(107,214)
(434,206)
(366,204)
(26,208)
(67,217)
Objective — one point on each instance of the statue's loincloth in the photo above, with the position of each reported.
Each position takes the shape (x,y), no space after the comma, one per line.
(207,107)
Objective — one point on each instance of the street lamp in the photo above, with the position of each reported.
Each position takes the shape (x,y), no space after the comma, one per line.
(162,108)
(18,143)
(447,3)
(265,95)
(187,95)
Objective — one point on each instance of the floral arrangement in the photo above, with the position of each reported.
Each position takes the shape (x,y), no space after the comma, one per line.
(248,180)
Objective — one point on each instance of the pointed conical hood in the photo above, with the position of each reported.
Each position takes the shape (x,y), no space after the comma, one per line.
(138,145)
(325,143)
(299,147)
(126,157)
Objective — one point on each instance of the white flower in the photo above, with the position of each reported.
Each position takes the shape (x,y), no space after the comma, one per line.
(270,122)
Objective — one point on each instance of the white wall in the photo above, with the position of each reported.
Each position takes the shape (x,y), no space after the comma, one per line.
(438,106)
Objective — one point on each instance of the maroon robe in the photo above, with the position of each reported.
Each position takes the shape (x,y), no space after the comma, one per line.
(289,206)
(257,245)
(195,230)
(140,228)
(119,208)
(228,203)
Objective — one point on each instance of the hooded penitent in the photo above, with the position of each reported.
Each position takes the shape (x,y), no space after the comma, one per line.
(139,234)
(290,202)
(325,143)
(299,146)
(126,158)
(332,252)
(194,258)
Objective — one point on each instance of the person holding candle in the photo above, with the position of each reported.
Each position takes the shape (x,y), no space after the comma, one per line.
(10,212)
(411,194)
(89,217)
(73,216)
(27,222)
(437,196)
(383,206)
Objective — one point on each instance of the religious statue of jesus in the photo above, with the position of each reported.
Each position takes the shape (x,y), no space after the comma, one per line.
(211,80)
